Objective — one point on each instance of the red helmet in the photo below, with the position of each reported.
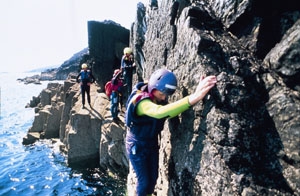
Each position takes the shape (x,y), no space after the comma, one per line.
(164,81)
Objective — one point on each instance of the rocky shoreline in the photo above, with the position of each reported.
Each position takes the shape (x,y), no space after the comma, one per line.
(84,134)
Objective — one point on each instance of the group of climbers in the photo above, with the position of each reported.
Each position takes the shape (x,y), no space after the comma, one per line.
(119,87)
(147,108)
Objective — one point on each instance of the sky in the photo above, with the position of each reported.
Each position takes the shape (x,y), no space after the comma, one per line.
(43,33)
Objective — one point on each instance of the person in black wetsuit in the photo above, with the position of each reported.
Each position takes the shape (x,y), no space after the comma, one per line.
(127,68)
(86,79)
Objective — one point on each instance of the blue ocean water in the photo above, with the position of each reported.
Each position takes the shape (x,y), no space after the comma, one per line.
(39,169)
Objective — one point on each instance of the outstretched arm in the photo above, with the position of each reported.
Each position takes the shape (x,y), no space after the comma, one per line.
(205,84)
(147,107)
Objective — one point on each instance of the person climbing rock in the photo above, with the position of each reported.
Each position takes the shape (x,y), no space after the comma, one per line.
(146,111)
(86,79)
(127,68)
(116,94)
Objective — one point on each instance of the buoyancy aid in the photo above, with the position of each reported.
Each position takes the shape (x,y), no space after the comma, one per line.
(127,62)
(85,76)
(142,128)
(117,84)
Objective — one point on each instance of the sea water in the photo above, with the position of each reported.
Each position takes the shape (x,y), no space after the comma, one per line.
(40,168)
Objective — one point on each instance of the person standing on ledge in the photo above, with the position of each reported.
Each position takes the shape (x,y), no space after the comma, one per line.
(146,111)
(86,79)
(127,67)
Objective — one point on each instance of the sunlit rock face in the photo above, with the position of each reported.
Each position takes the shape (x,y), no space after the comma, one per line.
(244,138)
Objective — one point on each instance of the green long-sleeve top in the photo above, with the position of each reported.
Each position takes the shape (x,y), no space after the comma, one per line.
(147,107)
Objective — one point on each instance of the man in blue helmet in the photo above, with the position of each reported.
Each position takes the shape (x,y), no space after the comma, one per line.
(146,111)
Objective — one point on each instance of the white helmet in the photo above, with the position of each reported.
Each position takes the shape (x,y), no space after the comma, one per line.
(84,66)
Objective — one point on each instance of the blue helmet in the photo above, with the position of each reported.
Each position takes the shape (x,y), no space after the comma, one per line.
(164,81)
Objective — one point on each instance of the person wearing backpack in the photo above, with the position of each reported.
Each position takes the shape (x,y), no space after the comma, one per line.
(127,68)
(86,79)
(146,111)
(116,93)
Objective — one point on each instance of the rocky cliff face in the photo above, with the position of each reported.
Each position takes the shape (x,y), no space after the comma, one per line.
(106,43)
(243,139)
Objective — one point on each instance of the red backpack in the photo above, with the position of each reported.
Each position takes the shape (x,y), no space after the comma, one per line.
(108,89)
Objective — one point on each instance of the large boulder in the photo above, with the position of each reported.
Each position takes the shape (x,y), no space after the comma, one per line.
(83,129)
(112,145)
(52,126)
(48,114)
(106,43)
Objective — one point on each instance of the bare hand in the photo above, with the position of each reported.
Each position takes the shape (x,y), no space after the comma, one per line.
(205,84)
